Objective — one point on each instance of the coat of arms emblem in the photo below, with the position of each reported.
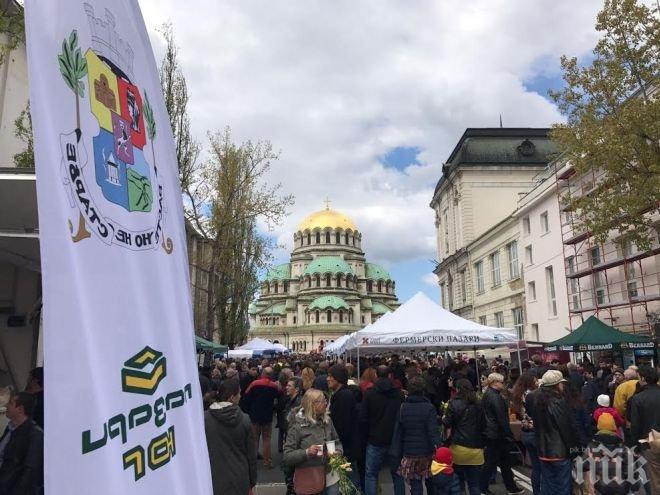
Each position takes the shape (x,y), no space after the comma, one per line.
(123,171)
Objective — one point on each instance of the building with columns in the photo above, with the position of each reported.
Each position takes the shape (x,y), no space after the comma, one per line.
(327,289)
(478,267)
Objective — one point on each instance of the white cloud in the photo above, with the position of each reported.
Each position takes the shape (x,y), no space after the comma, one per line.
(335,85)
(430,279)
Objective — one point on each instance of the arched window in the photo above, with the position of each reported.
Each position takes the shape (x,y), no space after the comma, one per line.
(318,238)
(308,317)
(305,345)
(327,279)
(370,286)
(276,287)
(295,319)
(309,238)
(327,237)
(380,286)
(318,316)
(347,281)
(318,280)
(285,286)
(353,239)
(328,316)
(337,238)
(339,280)
(341,316)
(302,240)
(346,238)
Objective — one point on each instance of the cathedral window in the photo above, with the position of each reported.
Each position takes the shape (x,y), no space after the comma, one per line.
(327,280)
(276,287)
(341,317)
(347,281)
(338,280)
(370,286)
(318,238)
(327,237)
(309,239)
(337,238)
(353,240)
(328,316)
(285,286)
(318,316)
(318,281)
(380,286)
(346,239)
(295,319)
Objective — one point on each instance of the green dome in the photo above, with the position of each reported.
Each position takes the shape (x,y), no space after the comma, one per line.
(328,264)
(279,272)
(377,272)
(275,309)
(379,309)
(325,302)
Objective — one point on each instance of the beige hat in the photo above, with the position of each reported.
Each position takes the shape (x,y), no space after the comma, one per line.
(552,378)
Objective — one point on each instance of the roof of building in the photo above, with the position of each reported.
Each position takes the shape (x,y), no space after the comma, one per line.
(325,302)
(279,272)
(379,308)
(275,309)
(377,272)
(328,264)
(327,218)
(520,146)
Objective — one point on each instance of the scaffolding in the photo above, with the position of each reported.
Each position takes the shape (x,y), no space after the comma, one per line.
(612,280)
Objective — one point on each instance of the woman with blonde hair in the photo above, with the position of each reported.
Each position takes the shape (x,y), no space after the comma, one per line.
(310,440)
(308,376)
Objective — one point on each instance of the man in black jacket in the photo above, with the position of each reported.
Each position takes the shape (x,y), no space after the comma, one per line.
(21,449)
(321,380)
(343,412)
(556,436)
(644,413)
(498,436)
(380,407)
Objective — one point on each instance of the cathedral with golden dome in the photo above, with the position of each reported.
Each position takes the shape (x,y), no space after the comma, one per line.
(327,290)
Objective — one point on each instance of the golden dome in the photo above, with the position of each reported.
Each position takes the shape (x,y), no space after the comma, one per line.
(326,219)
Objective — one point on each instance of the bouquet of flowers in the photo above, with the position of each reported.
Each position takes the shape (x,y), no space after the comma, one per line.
(341,467)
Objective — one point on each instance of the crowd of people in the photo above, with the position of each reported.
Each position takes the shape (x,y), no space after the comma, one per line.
(439,423)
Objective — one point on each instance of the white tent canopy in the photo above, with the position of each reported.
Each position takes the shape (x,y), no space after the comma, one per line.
(281,348)
(420,323)
(259,345)
(239,353)
(337,347)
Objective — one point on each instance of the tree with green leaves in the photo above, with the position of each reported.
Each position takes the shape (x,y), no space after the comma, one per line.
(12,28)
(612,109)
(73,67)
(238,196)
(23,131)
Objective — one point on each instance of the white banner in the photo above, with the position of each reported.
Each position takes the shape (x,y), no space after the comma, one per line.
(122,396)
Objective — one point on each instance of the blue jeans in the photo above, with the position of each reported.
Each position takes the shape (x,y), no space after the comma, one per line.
(374,461)
(556,477)
(529,441)
(470,475)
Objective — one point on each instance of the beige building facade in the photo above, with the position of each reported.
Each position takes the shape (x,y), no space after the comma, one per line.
(482,180)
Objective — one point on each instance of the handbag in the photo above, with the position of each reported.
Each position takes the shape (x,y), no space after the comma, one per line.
(309,480)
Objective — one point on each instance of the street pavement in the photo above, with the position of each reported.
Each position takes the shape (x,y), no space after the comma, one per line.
(271,481)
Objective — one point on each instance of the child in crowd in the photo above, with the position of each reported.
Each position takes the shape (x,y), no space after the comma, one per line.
(604,408)
(445,480)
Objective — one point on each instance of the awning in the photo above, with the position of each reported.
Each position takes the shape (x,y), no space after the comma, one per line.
(594,335)
(207,345)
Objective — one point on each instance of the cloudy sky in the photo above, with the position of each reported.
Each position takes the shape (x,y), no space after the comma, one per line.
(366,99)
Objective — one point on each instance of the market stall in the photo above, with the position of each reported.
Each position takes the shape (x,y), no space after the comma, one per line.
(421,324)
(596,336)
